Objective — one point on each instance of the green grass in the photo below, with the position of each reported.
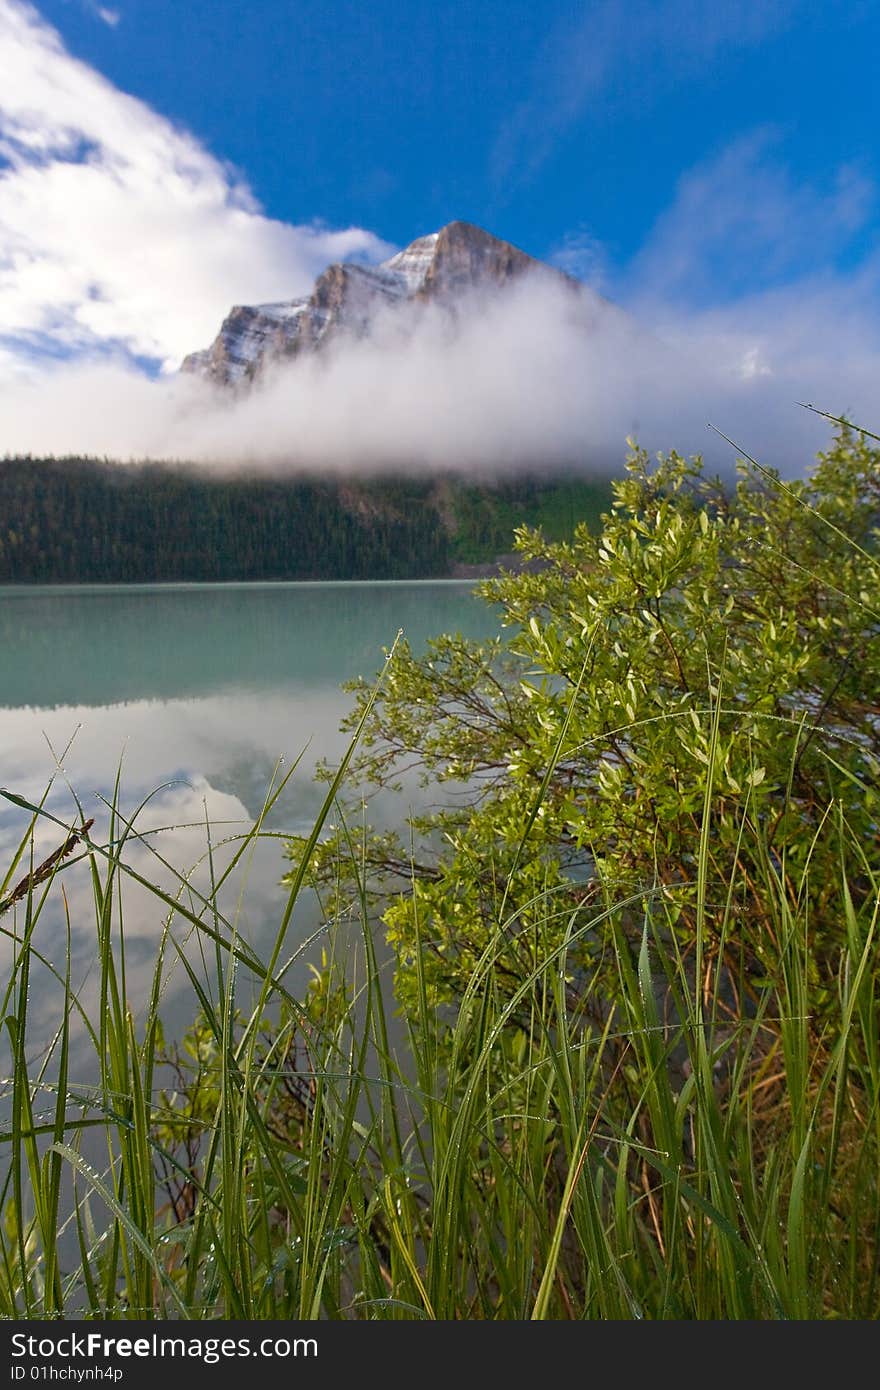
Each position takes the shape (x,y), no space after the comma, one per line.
(640,1153)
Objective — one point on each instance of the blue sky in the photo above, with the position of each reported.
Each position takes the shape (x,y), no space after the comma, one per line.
(545,123)
(711,167)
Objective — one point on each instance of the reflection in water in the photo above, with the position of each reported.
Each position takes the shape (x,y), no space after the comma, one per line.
(193,694)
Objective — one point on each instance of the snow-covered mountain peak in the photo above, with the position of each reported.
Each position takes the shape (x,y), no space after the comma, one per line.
(346,299)
(413,263)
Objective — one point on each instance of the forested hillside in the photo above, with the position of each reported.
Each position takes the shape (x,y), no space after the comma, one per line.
(88,521)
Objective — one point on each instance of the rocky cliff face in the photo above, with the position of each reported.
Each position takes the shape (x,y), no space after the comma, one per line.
(439,268)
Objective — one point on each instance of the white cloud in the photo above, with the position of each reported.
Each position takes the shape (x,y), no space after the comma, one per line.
(531,379)
(741,220)
(107,15)
(116,227)
(582,255)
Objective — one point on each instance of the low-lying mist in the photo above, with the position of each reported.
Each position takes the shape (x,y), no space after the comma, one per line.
(535,377)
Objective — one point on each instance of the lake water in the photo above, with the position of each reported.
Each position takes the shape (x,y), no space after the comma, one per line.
(192,695)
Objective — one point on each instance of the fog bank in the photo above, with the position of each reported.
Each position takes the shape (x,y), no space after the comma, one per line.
(533,378)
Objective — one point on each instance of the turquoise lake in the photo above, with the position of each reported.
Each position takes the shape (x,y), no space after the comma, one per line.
(193,695)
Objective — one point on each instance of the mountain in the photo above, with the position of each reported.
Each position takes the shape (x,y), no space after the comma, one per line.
(439,269)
